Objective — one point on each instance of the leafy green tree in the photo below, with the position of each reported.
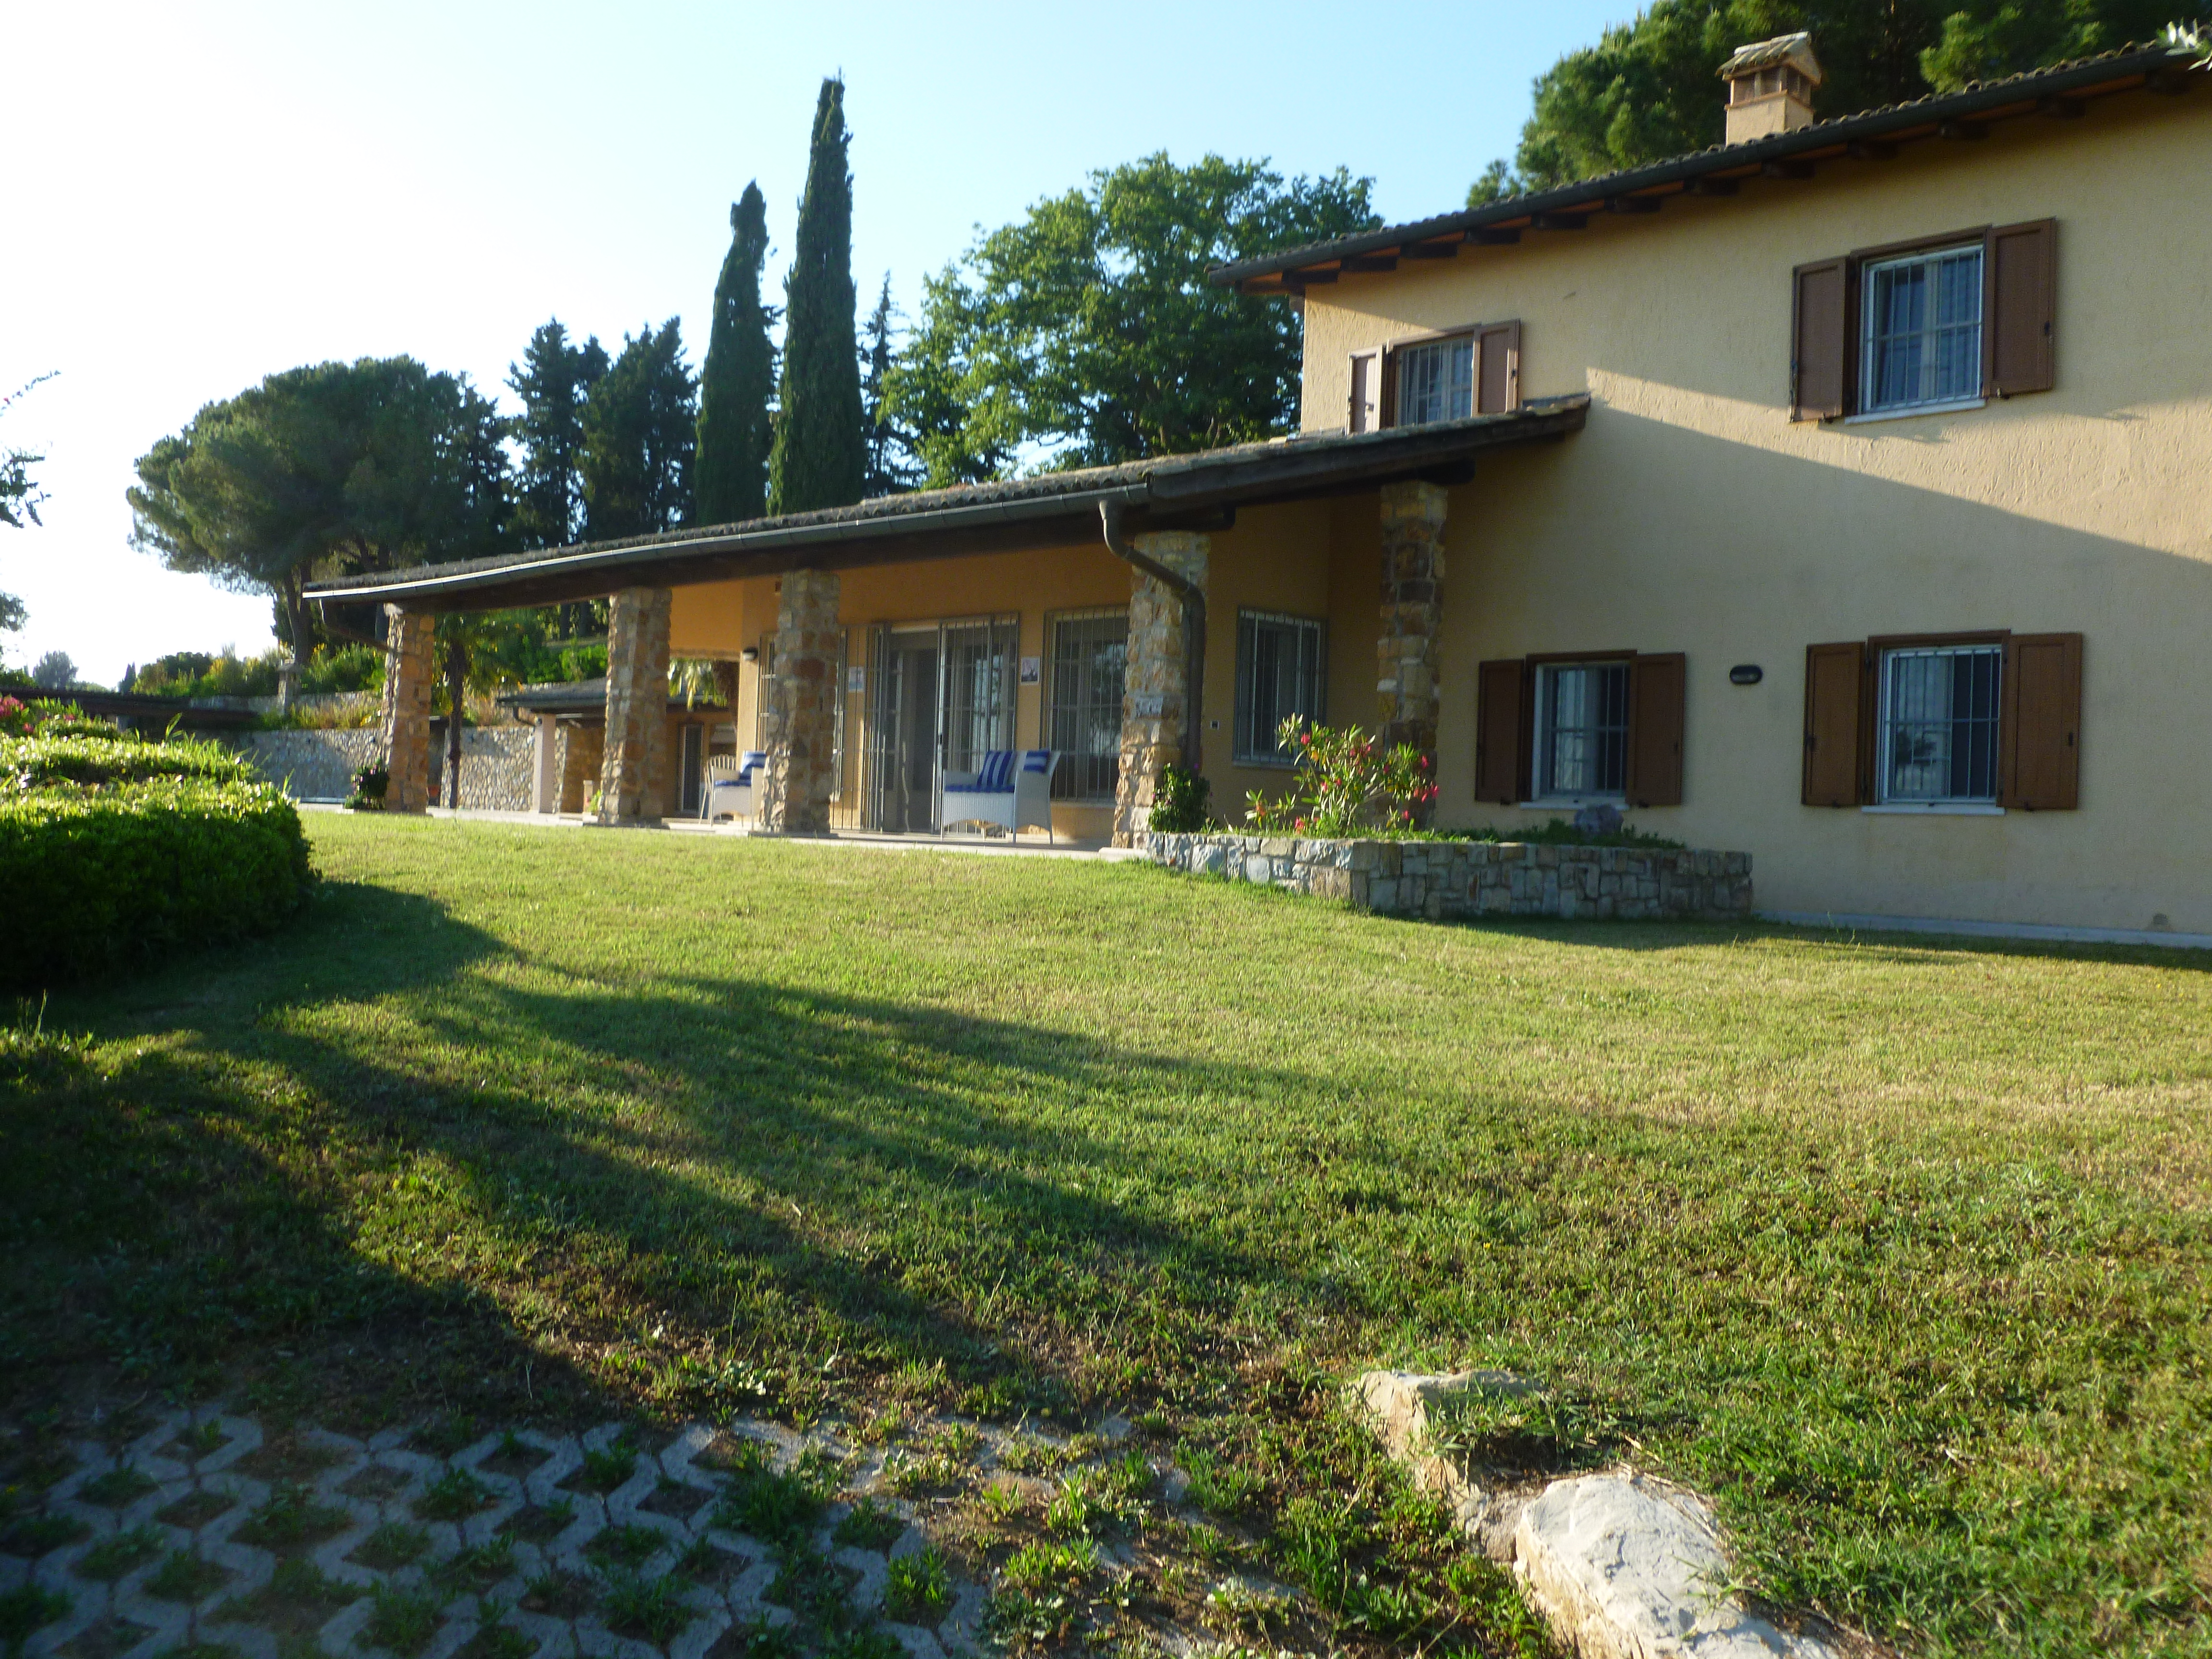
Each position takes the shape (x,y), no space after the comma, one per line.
(328,469)
(817,460)
(888,465)
(553,382)
(640,433)
(19,496)
(54,672)
(1087,329)
(1650,88)
(738,380)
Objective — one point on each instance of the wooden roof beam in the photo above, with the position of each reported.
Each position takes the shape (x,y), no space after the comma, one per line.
(1634,203)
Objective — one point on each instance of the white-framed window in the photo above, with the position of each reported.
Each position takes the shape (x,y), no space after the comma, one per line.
(1089,663)
(1582,731)
(1435,380)
(1922,330)
(1282,664)
(1938,717)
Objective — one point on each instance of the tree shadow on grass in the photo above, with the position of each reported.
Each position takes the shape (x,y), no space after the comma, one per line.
(390,1126)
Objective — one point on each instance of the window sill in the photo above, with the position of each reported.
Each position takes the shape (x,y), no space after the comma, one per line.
(1908,411)
(1573,802)
(1955,809)
(1265,763)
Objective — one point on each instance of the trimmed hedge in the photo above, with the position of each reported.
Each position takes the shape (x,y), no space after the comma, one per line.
(94,879)
(93,758)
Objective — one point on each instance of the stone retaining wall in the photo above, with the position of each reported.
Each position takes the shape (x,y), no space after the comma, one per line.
(499,767)
(312,764)
(1434,878)
(498,763)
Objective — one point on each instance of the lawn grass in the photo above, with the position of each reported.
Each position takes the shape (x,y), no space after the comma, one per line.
(1900,1248)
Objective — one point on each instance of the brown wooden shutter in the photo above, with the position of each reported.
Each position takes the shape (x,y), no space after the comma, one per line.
(1386,401)
(1656,685)
(1820,343)
(1834,697)
(2020,298)
(1497,368)
(1366,410)
(2042,736)
(1501,731)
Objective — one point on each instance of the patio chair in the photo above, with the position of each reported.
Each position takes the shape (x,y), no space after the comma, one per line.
(1011,792)
(732,792)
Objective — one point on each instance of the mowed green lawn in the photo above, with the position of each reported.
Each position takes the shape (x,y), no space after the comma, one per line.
(1900,1248)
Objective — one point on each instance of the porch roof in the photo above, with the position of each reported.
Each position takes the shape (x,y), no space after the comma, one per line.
(1057,509)
(580,698)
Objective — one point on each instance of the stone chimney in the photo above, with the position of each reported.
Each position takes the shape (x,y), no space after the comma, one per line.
(1769,87)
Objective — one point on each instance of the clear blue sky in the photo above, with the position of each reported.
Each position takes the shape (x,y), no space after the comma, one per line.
(204,194)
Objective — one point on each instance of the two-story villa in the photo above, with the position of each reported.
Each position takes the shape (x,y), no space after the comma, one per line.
(1842,494)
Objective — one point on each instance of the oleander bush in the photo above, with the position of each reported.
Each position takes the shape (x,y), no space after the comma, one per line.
(114,850)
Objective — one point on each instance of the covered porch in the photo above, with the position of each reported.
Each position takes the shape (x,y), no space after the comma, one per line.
(1125,620)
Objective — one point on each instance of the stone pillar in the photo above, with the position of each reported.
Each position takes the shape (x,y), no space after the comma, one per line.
(634,767)
(800,728)
(545,773)
(408,676)
(1156,682)
(1413,614)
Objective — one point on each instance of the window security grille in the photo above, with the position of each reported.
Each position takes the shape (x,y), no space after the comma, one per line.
(1582,730)
(1281,662)
(1435,381)
(1938,723)
(1923,329)
(1089,663)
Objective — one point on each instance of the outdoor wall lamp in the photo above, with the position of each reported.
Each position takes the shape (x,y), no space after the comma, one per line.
(1746,674)
(751,653)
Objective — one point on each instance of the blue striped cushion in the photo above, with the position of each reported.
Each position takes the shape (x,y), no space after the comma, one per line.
(1036,759)
(997,776)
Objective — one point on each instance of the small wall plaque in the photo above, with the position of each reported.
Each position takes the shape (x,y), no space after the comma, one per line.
(1032,670)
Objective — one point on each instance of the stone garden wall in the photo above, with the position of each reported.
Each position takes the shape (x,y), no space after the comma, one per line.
(309,763)
(498,768)
(1435,878)
(498,763)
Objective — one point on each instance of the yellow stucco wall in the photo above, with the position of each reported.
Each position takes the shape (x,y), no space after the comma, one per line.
(1693,515)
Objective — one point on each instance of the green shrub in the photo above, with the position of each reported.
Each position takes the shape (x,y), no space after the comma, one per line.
(344,668)
(1179,807)
(43,760)
(113,877)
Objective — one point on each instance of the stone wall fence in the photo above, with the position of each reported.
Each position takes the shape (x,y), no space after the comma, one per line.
(1440,878)
(498,763)
(309,763)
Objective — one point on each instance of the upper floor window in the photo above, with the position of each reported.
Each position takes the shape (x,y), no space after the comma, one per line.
(1940,322)
(1448,377)
(1435,381)
(1924,330)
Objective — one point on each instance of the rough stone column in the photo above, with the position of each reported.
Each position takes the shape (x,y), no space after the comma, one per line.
(1412,615)
(800,729)
(408,677)
(634,767)
(1156,681)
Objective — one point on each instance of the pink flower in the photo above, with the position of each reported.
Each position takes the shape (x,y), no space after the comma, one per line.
(1298,823)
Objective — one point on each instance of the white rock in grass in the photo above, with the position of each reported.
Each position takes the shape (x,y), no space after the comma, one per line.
(1626,1568)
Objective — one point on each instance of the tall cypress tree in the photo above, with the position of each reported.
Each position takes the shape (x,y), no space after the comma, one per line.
(553,382)
(818,458)
(738,378)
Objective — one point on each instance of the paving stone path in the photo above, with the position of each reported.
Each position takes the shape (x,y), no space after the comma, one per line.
(205,1533)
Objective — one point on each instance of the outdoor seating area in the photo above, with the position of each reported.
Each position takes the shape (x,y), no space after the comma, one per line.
(727,786)
(1010,791)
